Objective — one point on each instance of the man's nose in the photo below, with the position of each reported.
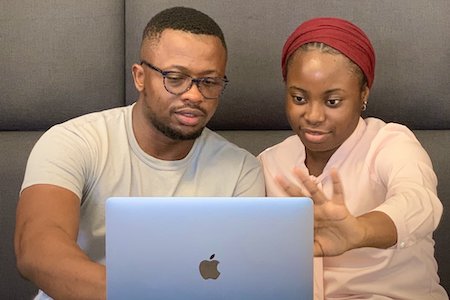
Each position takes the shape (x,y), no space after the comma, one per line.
(194,94)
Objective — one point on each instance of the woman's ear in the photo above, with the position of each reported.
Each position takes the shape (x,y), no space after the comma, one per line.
(364,97)
(138,77)
(365,94)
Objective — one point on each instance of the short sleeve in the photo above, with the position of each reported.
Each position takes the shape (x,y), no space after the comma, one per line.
(60,157)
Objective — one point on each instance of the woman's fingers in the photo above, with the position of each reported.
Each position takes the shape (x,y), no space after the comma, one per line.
(314,192)
(317,196)
(338,191)
(291,189)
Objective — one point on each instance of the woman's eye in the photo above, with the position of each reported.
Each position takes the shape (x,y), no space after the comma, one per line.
(333,102)
(299,99)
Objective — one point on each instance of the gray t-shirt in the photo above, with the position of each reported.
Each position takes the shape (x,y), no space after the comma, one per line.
(96,156)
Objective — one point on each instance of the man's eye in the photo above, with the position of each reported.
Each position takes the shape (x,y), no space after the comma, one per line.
(175,79)
(175,76)
(210,81)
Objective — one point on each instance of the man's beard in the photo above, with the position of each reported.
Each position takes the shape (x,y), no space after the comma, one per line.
(168,131)
(171,132)
(175,134)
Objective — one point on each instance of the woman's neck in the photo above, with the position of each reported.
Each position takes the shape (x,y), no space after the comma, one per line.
(316,161)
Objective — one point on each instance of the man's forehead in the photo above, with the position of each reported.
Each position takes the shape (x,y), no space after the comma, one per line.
(172,37)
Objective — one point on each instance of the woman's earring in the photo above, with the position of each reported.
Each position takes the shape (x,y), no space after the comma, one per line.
(364,106)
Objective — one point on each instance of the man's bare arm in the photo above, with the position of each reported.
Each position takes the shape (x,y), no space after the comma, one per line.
(47,223)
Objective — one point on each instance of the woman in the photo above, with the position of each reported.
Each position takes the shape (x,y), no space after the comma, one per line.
(372,183)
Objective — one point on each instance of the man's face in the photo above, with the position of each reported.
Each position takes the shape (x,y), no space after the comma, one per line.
(180,117)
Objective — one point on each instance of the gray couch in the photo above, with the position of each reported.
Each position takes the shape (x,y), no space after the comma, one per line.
(61,59)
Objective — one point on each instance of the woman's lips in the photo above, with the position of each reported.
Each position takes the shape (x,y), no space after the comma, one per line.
(315,136)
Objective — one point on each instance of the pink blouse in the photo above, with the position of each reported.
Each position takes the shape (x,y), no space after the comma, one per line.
(384,168)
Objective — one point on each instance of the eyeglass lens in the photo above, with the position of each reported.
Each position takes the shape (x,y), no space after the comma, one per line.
(179,83)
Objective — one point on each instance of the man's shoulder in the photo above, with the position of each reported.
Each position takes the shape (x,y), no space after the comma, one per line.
(107,115)
(94,124)
(92,128)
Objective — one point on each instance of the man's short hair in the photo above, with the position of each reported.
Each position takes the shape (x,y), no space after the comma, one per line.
(184,19)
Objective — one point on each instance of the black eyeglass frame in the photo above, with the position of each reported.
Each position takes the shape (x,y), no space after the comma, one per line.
(197,81)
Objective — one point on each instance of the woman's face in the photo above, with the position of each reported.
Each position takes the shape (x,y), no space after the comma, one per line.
(323,99)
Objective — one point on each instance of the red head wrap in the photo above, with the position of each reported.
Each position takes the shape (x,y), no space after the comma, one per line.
(339,34)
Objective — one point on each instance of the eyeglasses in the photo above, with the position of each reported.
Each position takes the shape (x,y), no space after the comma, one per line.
(178,83)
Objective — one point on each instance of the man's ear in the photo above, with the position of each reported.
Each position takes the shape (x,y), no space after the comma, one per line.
(138,76)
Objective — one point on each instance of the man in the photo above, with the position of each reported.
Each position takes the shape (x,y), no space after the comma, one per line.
(157,147)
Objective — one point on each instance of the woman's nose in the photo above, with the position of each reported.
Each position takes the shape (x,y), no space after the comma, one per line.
(315,113)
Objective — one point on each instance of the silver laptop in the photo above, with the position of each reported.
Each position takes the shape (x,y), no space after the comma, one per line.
(209,248)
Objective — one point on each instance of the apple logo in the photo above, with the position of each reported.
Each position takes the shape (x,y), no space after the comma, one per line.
(208,268)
